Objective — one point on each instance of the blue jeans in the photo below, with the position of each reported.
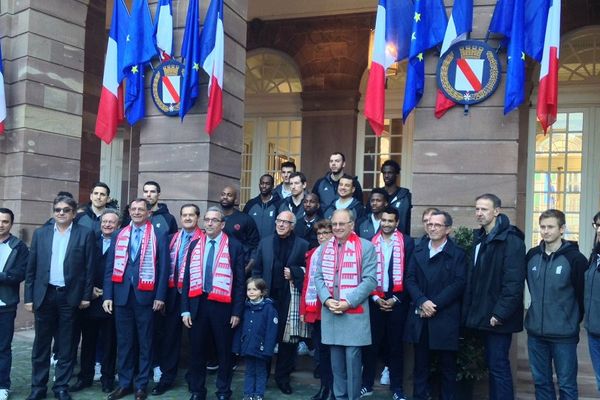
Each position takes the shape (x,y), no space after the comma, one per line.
(255,378)
(594,346)
(542,353)
(7,330)
(497,347)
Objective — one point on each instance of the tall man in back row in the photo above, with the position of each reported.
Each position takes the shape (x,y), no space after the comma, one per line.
(493,303)
(327,186)
(399,197)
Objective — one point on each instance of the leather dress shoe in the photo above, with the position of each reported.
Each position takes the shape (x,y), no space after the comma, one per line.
(108,387)
(140,394)
(63,395)
(160,388)
(37,395)
(119,393)
(79,385)
(322,394)
(284,387)
(195,396)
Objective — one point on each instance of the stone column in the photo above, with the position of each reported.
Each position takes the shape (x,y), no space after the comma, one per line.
(43,49)
(190,165)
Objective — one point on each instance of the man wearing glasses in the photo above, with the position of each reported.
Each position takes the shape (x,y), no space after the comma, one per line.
(280,262)
(212,302)
(57,282)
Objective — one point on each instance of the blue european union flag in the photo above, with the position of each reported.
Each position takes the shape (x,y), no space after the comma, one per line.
(139,49)
(190,52)
(429,27)
(515,71)
(398,25)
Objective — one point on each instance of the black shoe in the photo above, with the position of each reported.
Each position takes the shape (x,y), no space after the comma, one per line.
(79,385)
(140,394)
(63,395)
(119,393)
(108,387)
(160,388)
(37,395)
(322,394)
(284,387)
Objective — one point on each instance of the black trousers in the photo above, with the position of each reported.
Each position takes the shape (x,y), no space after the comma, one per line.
(387,330)
(213,318)
(447,365)
(91,330)
(324,356)
(54,318)
(167,339)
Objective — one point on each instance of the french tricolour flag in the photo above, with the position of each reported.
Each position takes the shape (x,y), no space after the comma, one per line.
(110,109)
(547,105)
(163,31)
(459,24)
(211,59)
(2,96)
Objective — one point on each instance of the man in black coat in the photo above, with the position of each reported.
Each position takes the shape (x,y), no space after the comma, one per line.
(493,302)
(435,281)
(13,263)
(280,261)
(90,217)
(57,282)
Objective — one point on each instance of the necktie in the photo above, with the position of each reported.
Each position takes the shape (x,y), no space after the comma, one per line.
(135,245)
(184,242)
(208,272)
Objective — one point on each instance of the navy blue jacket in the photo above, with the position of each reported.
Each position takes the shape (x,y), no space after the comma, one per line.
(257,336)
(592,293)
(355,206)
(263,214)
(13,273)
(162,220)
(90,220)
(326,188)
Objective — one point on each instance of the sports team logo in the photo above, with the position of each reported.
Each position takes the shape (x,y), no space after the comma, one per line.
(166,82)
(469,72)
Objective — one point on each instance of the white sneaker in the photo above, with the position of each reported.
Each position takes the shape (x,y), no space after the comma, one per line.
(385,376)
(302,349)
(4,394)
(157,374)
(366,392)
(53,360)
(97,372)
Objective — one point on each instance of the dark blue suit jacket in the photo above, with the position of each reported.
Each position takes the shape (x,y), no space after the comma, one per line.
(77,266)
(119,292)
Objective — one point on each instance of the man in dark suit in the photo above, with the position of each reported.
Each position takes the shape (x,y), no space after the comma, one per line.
(94,322)
(57,282)
(135,283)
(280,262)
(212,302)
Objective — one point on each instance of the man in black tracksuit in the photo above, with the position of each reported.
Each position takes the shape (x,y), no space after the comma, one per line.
(90,217)
(162,220)
(263,208)
(555,278)
(327,186)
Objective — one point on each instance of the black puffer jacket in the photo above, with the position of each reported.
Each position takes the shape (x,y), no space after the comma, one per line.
(496,282)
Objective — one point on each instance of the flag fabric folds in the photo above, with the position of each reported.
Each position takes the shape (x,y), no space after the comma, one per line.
(212,59)
(139,49)
(190,52)
(110,108)
(547,106)
(163,30)
(459,24)
(2,96)
(429,22)
(393,26)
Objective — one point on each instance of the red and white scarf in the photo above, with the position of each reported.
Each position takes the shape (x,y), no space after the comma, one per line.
(311,300)
(397,263)
(147,271)
(347,263)
(174,247)
(222,283)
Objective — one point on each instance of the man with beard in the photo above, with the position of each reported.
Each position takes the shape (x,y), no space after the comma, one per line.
(263,208)
(400,198)
(312,214)
(286,170)
(368,226)
(240,226)
(90,217)
(327,186)
(345,200)
(295,202)
(280,262)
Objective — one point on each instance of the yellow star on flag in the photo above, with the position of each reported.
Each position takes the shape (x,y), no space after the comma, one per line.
(417,17)
(134,69)
(196,67)
(522,56)
(420,56)
(413,36)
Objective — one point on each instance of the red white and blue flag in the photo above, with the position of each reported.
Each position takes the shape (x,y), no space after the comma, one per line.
(163,30)
(547,105)
(211,60)
(110,109)
(392,41)
(459,25)
(2,96)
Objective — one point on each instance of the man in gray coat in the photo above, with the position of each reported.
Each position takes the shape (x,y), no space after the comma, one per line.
(345,316)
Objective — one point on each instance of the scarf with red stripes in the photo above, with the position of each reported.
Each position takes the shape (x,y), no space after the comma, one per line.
(222,283)
(174,247)
(147,263)
(397,262)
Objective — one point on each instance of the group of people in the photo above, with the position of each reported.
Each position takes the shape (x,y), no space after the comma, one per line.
(293,265)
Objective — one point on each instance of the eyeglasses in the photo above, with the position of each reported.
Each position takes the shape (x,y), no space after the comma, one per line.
(324,233)
(65,210)
(283,221)
(339,224)
(212,220)
(595,225)
(436,226)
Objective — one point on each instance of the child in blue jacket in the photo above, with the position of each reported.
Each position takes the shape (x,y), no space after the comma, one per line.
(256,339)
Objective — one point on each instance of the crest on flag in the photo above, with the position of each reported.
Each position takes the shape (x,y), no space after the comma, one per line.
(166,83)
(469,72)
